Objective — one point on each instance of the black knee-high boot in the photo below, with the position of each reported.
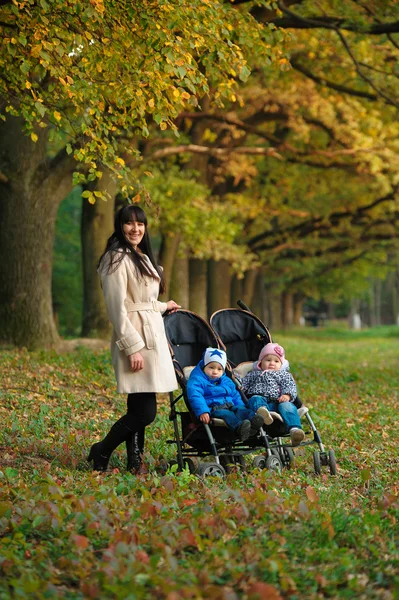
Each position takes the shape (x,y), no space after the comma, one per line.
(140,439)
(135,450)
(100,452)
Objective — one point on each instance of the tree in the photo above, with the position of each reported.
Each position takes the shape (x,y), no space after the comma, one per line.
(323,145)
(82,80)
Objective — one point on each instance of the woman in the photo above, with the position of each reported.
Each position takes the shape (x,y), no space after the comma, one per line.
(131,282)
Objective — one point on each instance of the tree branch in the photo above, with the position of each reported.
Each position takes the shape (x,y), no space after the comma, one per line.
(331,267)
(360,72)
(245,126)
(295,21)
(330,84)
(214,151)
(307,227)
(393,42)
(331,165)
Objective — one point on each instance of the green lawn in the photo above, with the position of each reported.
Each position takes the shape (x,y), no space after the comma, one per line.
(66,532)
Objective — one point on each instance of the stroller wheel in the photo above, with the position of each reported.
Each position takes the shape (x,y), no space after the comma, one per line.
(332,462)
(317,462)
(289,457)
(259,462)
(210,469)
(273,463)
(191,464)
(232,460)
(240,460)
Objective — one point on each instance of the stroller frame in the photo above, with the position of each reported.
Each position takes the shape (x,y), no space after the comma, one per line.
(220,443)
(274,438)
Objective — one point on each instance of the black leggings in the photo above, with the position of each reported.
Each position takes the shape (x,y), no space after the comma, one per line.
(141,410)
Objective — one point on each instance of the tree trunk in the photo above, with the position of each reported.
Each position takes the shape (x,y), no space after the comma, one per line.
(96,226)
(250,281)
(273,301)
(371,320)
(237,291)
(377,288)
(167,256)
(260,296)
(179,288)
(31,190)
(219,285)
(298,300)
(198,286)
(395,297)
(287,309)
(330,311)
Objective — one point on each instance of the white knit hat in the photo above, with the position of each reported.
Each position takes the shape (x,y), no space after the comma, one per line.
(215,355)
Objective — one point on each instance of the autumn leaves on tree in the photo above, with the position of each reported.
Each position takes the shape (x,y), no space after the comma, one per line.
(289,174)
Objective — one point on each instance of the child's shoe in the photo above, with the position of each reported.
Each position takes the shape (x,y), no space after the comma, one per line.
(257,422)
(297,435)
(266,416)
(243,431)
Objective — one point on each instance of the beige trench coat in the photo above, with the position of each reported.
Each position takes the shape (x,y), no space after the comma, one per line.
(136,316)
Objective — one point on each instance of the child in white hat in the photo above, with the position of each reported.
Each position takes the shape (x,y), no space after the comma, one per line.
(212,394)
(271,385)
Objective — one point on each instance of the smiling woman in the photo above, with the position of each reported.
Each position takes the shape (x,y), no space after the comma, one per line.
(134,232)
(131,281)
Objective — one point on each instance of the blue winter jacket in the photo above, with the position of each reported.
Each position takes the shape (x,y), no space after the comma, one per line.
(205,393)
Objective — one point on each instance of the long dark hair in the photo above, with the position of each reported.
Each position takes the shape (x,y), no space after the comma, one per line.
(118,245)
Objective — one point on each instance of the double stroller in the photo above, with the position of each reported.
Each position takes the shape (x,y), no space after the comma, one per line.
(211,450)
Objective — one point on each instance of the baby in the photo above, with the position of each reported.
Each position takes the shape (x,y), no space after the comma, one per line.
(271,385)
(211,393)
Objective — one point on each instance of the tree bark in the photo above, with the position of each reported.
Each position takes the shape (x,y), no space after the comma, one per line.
(377,293)
(179,288)
(31,190)
(198,286)
(167,256)
(250,281)
(219,285)
(371,316)
(96,226)
(273,301)
(395,297)
(260,297)
(287,309)
(237,291)
(298,300)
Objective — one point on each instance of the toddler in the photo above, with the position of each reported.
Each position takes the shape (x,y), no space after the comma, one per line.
(271,385)
(211,393)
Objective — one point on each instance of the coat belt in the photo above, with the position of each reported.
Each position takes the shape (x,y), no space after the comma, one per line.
(138,306)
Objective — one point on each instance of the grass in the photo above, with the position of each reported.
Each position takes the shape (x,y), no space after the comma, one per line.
(66,532)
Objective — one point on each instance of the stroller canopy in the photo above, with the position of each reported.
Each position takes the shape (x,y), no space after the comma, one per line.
(242,333)
(188,336)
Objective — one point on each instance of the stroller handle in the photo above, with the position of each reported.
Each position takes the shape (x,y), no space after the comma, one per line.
(243,306)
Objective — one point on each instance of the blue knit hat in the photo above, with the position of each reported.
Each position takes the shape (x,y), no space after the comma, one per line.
(215,355)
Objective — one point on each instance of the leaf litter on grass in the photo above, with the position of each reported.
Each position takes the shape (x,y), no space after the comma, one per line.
(71,533)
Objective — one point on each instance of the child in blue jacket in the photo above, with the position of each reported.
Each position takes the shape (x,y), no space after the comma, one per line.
(212,394)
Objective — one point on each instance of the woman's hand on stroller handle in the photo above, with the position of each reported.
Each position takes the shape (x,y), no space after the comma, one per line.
(172,306)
